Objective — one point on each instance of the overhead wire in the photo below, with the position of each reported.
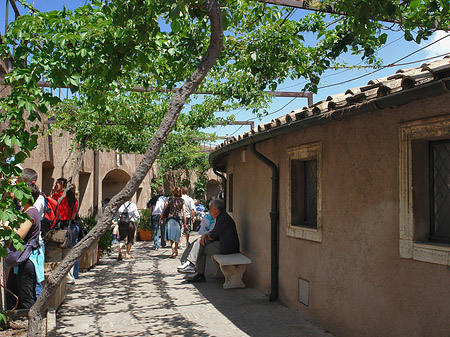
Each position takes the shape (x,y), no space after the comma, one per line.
(390,65)
(393,64)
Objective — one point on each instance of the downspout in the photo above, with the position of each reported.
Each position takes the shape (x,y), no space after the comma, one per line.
(224,185)
(274,220)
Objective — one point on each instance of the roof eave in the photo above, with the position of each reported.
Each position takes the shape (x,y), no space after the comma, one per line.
(431,89)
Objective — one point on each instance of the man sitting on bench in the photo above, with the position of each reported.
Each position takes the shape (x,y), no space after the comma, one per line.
(223,239)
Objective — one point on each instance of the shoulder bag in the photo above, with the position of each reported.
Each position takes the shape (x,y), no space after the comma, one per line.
(63,238)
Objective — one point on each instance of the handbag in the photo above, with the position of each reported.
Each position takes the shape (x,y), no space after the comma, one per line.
(17,257)
(63,238)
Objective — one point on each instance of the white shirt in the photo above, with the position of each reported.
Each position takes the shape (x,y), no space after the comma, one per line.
(206,225)
(159,206)
(39,204)
(189,204)
(132,211)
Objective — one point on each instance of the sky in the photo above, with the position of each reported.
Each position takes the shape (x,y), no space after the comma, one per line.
(396,51)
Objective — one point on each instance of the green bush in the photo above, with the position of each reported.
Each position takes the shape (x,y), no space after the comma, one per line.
(145,222)
(105,242)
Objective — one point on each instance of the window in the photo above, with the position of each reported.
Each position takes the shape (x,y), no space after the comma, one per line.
(304,197)
(440,191)
(304,192)
(118,159)
(425,190)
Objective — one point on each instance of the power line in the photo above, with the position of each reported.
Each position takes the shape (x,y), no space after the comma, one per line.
(276,110)
(393,64)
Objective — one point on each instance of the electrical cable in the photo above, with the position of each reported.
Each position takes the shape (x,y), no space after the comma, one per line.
(274,112)
(393,64)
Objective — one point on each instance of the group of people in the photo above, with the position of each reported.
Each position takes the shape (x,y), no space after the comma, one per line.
(172,217)
(24,283)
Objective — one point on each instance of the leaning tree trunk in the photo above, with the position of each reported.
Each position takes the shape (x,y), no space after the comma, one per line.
(38,310)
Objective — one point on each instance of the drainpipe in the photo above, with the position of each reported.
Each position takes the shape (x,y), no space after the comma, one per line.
(274,220)
(224,186)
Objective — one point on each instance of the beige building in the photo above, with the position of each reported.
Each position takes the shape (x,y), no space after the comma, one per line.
(344,206)
(102,174)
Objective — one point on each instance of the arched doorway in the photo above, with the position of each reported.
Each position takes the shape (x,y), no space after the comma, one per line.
(113,182)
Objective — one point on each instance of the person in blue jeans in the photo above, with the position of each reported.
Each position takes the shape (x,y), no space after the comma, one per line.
(155,207)
(75,226)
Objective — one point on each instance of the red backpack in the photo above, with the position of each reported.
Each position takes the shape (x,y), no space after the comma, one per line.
(49,213)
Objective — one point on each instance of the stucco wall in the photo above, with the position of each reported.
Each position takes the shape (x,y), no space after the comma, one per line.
(101,175)
(359,285)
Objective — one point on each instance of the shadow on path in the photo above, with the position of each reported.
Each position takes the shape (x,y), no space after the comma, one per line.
(145,296)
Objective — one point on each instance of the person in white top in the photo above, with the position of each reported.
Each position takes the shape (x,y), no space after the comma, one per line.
(30,176)
(190,213)
(127,216)
(155,206)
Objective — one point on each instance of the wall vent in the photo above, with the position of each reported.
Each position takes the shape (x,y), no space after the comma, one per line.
(303,291)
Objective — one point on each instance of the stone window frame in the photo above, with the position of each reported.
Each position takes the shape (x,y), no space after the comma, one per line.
(310,151)
(411,248)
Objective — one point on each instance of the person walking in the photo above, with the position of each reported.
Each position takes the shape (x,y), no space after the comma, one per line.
(128,215)
(155,206)
(189,211)
(176,219)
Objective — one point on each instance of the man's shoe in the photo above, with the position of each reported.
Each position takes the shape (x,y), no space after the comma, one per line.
(184,265)
(190,276)
(189,269)
(197,278)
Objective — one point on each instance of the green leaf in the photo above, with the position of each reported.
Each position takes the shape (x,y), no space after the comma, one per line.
(408,36)
(20,157)
(175,26)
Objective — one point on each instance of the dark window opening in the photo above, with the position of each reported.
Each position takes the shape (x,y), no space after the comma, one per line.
(440,191)
(304,193)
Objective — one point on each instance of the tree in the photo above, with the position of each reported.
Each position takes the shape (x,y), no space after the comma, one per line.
(103,50)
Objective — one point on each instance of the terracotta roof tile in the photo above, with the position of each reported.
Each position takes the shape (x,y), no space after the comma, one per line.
(403,79)
(438,66)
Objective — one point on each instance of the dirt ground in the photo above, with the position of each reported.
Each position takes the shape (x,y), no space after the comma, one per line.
(19,327)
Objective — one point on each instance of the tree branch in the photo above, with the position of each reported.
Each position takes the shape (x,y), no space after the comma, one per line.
(38,310)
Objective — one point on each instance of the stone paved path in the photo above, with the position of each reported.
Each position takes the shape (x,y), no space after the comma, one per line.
(145,296)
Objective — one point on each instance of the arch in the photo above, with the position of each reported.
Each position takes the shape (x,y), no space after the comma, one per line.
(113,182)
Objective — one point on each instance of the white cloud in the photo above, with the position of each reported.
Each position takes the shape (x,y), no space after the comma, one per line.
(439,48)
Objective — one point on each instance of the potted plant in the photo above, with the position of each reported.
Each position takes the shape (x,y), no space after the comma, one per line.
(105,241)
(145,226)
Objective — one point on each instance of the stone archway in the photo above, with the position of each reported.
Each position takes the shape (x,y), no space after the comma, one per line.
(113,182)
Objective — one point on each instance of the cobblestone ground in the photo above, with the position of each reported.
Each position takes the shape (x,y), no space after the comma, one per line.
(145,296)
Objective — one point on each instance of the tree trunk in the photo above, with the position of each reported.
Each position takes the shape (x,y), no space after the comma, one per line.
(38,311)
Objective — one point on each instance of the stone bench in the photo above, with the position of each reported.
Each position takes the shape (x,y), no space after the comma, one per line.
(232,267)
